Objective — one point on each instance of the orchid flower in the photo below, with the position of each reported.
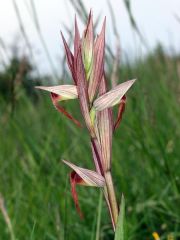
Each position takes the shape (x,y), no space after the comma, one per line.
(86,65)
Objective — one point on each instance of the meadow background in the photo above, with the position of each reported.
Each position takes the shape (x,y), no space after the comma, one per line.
(35,200)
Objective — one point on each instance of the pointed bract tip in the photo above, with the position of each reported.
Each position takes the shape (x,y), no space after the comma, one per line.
(122,196)
(75,20)
(102,33)
(89,24)
(76,27)
(133,80)
(64,161)
(104,22)
(63,38)
(76,23)
(90,13)
(90,16)
(77,39)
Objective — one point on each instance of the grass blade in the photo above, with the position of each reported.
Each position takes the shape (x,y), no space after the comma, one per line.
(6,218)
(120,234)
(99,216)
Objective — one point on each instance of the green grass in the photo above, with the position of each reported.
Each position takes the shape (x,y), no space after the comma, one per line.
(145,163)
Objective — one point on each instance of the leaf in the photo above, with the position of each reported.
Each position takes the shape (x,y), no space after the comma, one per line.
(112,97)
(65,92)
(98,63)
(120,232)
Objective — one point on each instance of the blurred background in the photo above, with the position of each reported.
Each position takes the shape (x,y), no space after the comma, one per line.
(143,42)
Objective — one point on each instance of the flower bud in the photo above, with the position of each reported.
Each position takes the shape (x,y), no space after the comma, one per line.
(87,47)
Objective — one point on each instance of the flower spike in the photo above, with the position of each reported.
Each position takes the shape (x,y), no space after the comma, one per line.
(87,70)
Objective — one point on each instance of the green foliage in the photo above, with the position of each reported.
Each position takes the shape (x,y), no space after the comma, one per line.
(145,164)
(120,228)
(17,76)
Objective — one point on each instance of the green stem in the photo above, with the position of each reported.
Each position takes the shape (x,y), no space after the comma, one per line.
(111,197)
(99,217)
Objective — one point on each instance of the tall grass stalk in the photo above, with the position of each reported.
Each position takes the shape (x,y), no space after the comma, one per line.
(6,218)
(99,214)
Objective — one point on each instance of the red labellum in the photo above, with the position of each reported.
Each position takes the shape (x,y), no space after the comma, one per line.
(120,112)
(55,99)
(76,179)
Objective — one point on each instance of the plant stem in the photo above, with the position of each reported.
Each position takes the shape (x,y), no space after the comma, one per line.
(6,218)
(111,196)
(109,207)
(99,216)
